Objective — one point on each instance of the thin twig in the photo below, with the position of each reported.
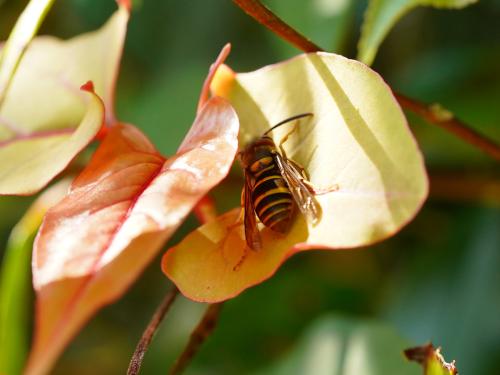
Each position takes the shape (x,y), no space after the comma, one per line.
(451,124)
(147,336)
(205,210)
(266,17)
(478,188)
(198,337)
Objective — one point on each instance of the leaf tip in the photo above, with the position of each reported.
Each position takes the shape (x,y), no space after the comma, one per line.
(223,54)
(222,81)
(88,86)
(127,4)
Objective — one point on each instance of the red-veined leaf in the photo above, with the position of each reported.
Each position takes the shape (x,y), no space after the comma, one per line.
(118,213)
(44,107)
(27,164)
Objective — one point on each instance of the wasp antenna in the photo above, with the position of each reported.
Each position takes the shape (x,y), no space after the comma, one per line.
(288,120)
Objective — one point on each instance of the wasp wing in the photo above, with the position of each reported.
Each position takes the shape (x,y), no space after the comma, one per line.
(252,235)
(300,191)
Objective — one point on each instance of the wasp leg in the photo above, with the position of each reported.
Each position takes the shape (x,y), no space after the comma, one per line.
(308,184)
(242,259)
(285,138)
(229,229)
(320,191)
(240,220)
(300,168)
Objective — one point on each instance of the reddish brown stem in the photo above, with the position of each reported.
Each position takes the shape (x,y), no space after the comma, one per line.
(205,210)
(482,188)
(451,124)
(198,337)
(263,15)
(147,336)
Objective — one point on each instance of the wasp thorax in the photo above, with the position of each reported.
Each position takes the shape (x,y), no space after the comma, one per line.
(259,149)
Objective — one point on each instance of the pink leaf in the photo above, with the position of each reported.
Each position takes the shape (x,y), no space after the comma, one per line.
(117,215)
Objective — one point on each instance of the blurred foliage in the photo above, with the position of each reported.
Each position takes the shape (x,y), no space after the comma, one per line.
(436,280)
(326,22)
(16,297)
(381,15)
(342,346)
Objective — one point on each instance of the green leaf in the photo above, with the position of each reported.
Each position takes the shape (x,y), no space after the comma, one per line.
(382,15)
(28,164)
(26,27)
(15,282)
(431,360)
(44,106)
(342,346)
(454,283)
(327,22)
(357,150)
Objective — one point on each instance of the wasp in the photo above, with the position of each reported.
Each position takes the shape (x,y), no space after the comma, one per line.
(274,187)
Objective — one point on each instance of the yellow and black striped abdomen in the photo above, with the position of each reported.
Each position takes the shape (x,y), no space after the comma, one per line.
(271,196)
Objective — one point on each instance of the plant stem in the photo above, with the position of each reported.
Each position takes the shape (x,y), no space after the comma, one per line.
(205,327)
(478,188)
(205,210)
(147,336)
(266,17)
(263,15)
(451,124)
